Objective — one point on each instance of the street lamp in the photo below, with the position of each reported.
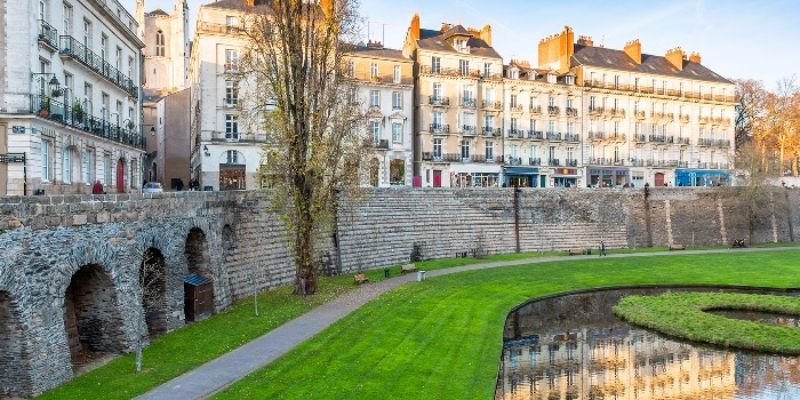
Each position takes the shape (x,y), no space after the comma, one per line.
(54,85)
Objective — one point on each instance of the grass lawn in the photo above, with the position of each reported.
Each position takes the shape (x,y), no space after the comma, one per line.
(684,315)
(441,339)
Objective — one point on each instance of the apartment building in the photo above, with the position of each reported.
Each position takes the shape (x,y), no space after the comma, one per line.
(458,105)
(70,105)
(383,85)
(542,137)
(226,140)
(658,120)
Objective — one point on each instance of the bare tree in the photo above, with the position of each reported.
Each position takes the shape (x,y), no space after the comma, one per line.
(295,60)
(152,283)
(750,97)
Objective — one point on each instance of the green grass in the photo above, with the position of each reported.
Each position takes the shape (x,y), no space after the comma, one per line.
(182,350)
(684,315)
(442,338)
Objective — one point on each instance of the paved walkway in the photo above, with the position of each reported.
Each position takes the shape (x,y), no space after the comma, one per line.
(217,374)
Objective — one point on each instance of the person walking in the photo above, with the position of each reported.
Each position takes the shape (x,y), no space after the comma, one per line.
(97,188)
(602,248)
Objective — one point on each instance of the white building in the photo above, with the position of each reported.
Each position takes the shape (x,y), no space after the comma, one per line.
(383,86)
(70,102)
(227,142)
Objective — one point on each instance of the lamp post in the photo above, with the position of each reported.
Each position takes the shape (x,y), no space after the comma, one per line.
(53,84)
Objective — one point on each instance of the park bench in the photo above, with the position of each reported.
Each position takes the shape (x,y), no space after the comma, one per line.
(677,247)
(408,268)
(360,279)
(739,244)
(575,252)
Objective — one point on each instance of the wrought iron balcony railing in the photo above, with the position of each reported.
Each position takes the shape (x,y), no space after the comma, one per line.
(72,48)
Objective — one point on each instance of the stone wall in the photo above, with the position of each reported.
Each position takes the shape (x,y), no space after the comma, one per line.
(240,244)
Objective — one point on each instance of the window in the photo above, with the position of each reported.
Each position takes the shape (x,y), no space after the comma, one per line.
(437,149)
(87,33)
(569,103)
(351,69)
(375,129)
(488,121)
(231,127)
(118,111)
(103,46)
(66,169)
(534,152)
(437,90)
(436,65)
(513,100)
(88,166)
(570,153)
(43,10)
(490,151)
(105,110)
(231,93)
(397,100)
(551,102)
(352,96)
(551,127)
(45,159)
(489,97)
(396,74)
(44,67)
(232,157)
(636,84)
(118,59)
(373,71)
(570,128)
(464,149)
(463,67)
(551,78)
(107,169)
(67,19)
(570,79)
(487,69)
(231,60)
(592,103)
(160,44)
(397,132)
(616,81)
(131,67)
(374,98)
(438,117)
(551,154)
(231,22)
(87,94)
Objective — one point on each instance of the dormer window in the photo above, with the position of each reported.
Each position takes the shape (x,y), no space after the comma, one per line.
(570,80)
(551,78)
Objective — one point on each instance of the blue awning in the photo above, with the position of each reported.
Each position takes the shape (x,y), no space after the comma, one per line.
(520,171)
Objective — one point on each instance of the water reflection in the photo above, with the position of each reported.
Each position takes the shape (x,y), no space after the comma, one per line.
(574,348)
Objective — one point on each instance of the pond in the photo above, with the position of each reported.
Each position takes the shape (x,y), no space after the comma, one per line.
(572,347)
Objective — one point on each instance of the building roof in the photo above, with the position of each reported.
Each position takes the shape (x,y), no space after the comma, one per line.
(379,53)
(157,13)
(651,64)
(240,5)
(437,41)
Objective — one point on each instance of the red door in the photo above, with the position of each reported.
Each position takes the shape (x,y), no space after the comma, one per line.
(437,178)
(120,177)
(659,179)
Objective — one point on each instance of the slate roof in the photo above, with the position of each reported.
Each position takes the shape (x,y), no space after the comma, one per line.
(618,59)
(240,5)
(437,41)
(380,53)
(158,12)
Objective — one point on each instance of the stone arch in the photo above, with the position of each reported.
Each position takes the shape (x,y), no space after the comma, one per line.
(92,319)
(197,255)
(198,294)
(15,378)
(153,283)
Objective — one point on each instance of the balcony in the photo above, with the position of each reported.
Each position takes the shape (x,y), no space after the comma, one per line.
(705,120)
(439,129)
(596,111)
(705,142)
(535,162)
(572,137)
(209,27)
(722,143)
(662,139)
(601,161)
(683,141)
(48,35)
(469,130)
(514,161)
(554,136)
(77,118)
(72,48)
(492,105)
(535,109)
(516,133)
(571,163)
(470,103)
(536,135)
(553,110)
(517,108)
(381,144)
(635,162)
(553,162)
(488,131)
(640,138)
(616,137)
(455,157)
(572,112)
(684,118)
(638,114)
(439,101)
(597,136)
(618,112)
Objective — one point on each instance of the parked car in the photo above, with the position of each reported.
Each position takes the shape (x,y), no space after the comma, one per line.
(152,187)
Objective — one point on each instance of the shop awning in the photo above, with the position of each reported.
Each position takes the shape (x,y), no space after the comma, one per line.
(520,171)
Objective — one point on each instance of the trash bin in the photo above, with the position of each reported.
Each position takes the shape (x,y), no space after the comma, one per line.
(421,275)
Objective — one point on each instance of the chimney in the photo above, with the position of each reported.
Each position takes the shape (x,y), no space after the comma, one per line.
(556,50)
(414,30)
(695,57)
(675,57)
(486,34)
(584,40)
(445,27)
(634,50)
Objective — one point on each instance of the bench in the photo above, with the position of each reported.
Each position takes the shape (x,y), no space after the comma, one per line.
(677,247)
(360,279)
(408,268)
(575,252)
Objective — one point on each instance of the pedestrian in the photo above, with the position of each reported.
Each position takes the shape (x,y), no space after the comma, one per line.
(602,248)
(97,188)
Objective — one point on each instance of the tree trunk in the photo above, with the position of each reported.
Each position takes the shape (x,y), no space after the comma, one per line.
(795,161)
(306,273)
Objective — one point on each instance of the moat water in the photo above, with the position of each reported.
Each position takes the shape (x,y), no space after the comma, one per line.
(573,348)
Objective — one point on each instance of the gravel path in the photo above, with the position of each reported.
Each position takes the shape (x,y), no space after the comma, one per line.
(219,373)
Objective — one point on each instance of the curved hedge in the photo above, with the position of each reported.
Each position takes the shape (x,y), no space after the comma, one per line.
(684,315)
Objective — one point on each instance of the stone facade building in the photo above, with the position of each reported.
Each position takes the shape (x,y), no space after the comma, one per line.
(382,84)
(70,102)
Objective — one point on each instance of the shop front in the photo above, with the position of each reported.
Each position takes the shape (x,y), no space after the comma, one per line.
(474,175)
(565,177)
(523,177)
(608,177)
(702,177)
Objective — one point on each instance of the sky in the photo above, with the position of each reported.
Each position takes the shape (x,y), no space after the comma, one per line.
(753,39)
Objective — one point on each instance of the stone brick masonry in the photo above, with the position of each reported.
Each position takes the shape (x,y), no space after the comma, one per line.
(69,271)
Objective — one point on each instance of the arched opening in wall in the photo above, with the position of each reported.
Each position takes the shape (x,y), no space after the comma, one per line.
(121,176)
(198,284)
(14,365)
(153,282)
(91,317)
